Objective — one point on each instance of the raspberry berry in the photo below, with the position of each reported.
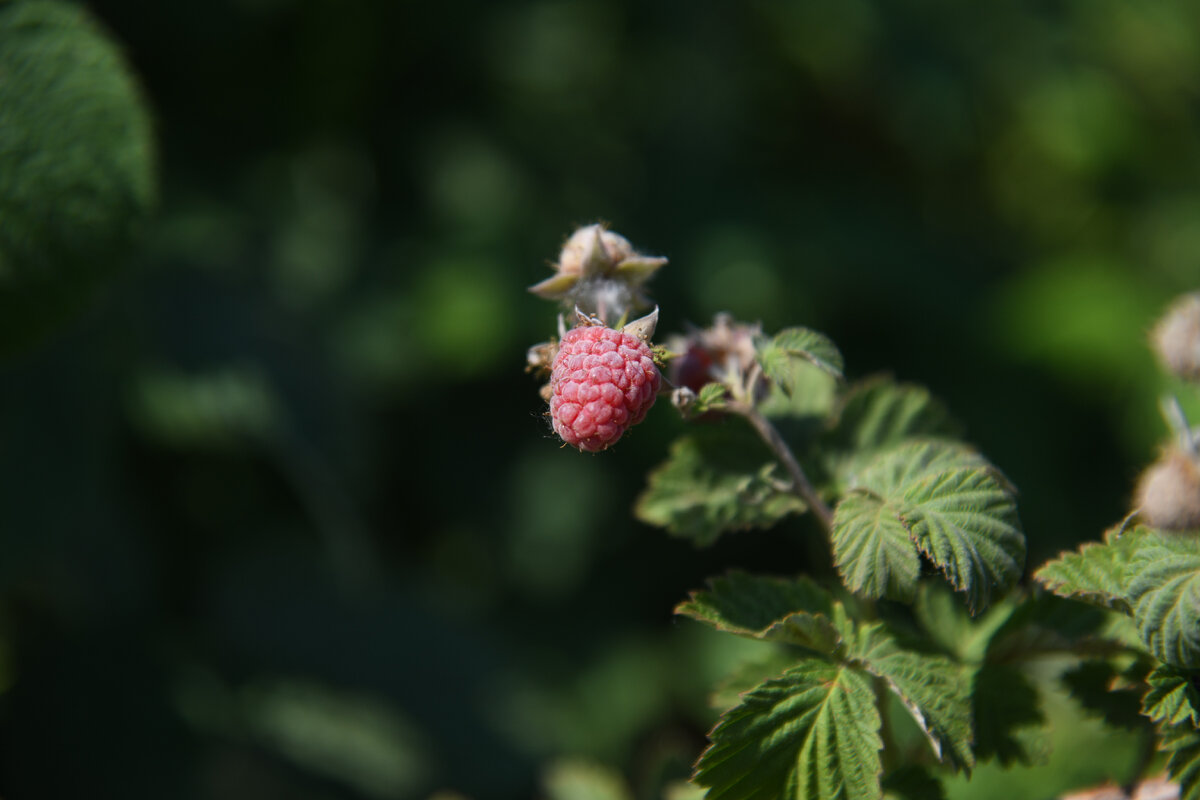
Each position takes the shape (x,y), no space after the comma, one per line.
(603,381)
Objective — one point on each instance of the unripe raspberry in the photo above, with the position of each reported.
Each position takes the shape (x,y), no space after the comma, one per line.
(1176,337)
(602,382)
(1168,493)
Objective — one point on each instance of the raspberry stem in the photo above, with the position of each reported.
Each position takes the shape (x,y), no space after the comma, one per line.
(801,486)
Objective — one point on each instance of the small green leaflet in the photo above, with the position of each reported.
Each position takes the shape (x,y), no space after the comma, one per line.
(711,397)
(1163,585)
(784,610)
(879,414)
(785,356)
(811,733)
(950,505)
(718,478)
(1096,572)
(1173,698)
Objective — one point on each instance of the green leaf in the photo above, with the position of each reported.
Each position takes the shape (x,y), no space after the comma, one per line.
(791,611)
(879,414)
(1100,688)
(1096,572)
(786,356)
(719,478)
(1163,586)
(954,508)
(811,733)
(1184,764)
(711,397)
(1173,698)
(874,549)
(77,173)
(1005,709)
(933,689)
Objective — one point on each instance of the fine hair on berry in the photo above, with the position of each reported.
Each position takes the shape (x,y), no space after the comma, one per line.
(602,382)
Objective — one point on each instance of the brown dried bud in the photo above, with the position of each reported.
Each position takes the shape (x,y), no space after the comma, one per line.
(1168,493)
(1176,337)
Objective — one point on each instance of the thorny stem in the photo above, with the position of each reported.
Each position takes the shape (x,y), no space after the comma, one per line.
(800,483)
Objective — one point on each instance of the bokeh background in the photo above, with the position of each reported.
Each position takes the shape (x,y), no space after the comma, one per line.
(279,513)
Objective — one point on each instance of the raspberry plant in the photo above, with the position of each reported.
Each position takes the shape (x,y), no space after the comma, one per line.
(907,659)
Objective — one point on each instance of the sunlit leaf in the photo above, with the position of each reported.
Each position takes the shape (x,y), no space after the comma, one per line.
(878,414)
(956,510)
(1096,572)
(812,733)
(1163,586)
(794,349)
(716,479)
(933,688)
(1173,698)
(792,611)
(874,549)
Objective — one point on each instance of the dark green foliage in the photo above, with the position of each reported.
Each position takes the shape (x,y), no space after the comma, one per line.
(76,163)
(1004,704)
(718,478)
(912,783)
(1113,694)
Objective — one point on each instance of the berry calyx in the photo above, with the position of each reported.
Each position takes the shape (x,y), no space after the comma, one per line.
(602,383)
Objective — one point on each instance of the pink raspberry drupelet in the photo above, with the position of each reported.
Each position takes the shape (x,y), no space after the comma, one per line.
(602,383)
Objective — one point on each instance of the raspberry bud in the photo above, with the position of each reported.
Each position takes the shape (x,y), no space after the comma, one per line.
(1176,337)
(1168,493)
(599,272)
(602,383)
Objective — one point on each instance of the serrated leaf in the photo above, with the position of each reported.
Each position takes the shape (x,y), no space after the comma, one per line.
(933,689)
(811,733)
(956,509)
(1099,688)
(716,479)
(749,604)
(1173,698)
(785,356)
(790,611)
(879,414)
(1184,764)
(874,549)
(1096,572)
(711,397)
(1005,708)
(1162,582)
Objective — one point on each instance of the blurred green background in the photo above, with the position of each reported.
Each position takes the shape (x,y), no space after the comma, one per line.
(279,513)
